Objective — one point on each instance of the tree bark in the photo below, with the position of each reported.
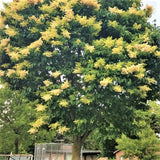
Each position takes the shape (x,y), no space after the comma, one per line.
(77,145)
(76,150)
(16,143)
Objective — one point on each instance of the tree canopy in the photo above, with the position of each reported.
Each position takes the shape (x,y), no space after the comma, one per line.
(81,59)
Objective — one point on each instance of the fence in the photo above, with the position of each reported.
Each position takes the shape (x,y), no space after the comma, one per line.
(16,157)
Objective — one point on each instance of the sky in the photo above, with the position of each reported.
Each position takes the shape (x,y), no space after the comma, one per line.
(154,3)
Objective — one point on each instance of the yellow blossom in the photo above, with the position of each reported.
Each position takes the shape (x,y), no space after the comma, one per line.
(47,83)
(33,130)
(157,54)
(10,72)
(66,33)
(40,107)
(118,88)
(137,26)
(144,88)
(63,103)
(116,10)
(133,54)
(99,63)
(117,50)
(106,81)
(55,92)
(38,123)
(48,54)
(56,74)
(25,51)
(36,44)
(85,100)
(91,3)
(47,97)
(1,73)
(89,77)
(22,73)
(145,47)
(78,68)
(11,32)
(114,24)
(90,48)
(4,42)
(63,129)
(151,80)
(65,85)
(54,125)
(139,75)
(119,42)
(109,42)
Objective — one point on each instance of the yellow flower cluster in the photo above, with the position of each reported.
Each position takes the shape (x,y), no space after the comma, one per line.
(89,48)
(65,85)
(99,63)
(133,10)
(78,68)
(145,47)
(11,32)
(63,103)
(10,72)
(89,77)
(119,41)
(46,8)
(38,123)
(137,26)
(54,125)
(157,54)
(50,33)
(113,24)
(115,66)
(21,73)
(109,42)
(132,53)
(151,80)
(55,92)
(139,75)
(91,3)
(48,54)
(133,68)
(1,73)
(56,74)
(47,97)
(47,83)
(144,88)
(85,100)
(117,50)
(33,130)
(106,81)
(1,22)
(4,42)
(66,33)
(118,88)
(14,55)
(63,129)
(40,107)
(36,44)
(115,10)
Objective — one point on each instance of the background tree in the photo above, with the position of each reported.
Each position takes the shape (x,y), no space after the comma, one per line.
(16,114)
(81,59)
(145,144)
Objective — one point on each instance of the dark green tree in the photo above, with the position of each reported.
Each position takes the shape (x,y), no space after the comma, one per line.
(79,59)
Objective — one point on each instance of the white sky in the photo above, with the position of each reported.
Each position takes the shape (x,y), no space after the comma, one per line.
(154,3)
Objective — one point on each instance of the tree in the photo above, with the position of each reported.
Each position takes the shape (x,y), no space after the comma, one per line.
(79,59)
(16,114)
(145,144)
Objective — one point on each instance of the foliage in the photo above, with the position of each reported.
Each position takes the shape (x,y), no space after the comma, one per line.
(83,60)
(145,144)
(16,114)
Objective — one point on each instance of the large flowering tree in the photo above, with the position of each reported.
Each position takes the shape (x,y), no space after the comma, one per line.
(79,58)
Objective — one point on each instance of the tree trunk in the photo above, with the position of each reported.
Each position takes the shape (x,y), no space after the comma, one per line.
(77,145)
(76,150)
(16,144)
